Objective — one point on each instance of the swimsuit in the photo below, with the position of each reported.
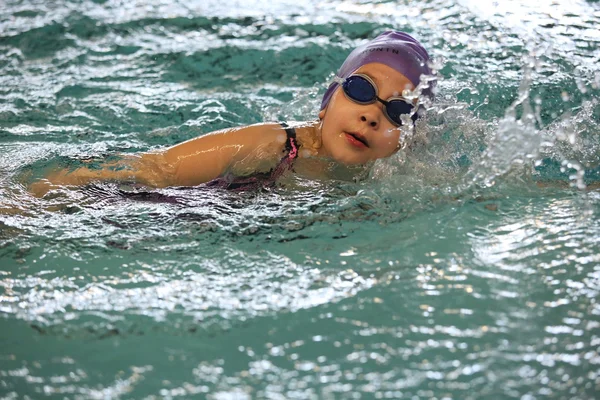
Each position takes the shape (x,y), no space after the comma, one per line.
(261,179)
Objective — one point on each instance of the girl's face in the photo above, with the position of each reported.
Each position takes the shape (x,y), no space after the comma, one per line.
(353,133)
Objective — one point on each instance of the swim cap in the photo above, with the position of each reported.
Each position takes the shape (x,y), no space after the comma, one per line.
(397,50)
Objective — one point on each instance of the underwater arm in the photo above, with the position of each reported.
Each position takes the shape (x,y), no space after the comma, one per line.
(190,163)
(139,168)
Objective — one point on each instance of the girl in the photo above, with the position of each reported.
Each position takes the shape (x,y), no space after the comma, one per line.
(371,97)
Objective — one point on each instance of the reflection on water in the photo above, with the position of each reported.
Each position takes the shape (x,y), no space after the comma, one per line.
(466,266)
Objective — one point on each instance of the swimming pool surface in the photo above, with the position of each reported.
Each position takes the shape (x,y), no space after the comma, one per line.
(467,267)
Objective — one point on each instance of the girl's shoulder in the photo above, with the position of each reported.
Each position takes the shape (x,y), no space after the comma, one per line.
(308,137)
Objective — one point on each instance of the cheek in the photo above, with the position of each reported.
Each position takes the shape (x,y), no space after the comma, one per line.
(389,140)
(341,106)
(391,135)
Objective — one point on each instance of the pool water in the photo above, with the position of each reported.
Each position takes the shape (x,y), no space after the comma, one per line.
(467,266)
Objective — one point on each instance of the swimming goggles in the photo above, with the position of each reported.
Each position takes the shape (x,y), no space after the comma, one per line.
(362,90)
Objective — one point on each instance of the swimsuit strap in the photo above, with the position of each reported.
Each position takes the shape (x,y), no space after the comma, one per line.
(291,147)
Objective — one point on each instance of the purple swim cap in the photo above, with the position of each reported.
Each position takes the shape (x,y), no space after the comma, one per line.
(397,50)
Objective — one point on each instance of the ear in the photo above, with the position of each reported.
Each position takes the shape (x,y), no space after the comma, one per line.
(322,113)
(317,139)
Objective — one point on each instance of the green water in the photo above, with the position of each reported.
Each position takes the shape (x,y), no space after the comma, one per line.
(447,274)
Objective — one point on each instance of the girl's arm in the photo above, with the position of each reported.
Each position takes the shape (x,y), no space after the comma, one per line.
(241,151)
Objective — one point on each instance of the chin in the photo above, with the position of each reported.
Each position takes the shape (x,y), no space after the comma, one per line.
(350,161)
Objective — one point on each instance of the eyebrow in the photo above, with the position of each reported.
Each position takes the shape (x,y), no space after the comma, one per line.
(375,79)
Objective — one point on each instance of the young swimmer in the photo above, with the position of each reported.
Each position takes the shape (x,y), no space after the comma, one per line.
(372,96)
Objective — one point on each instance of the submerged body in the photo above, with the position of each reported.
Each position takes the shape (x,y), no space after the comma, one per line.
(362,117)
(347,134)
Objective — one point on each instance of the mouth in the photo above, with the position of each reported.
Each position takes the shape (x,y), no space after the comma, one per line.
(356,139)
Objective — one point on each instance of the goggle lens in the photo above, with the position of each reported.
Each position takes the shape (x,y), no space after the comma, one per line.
(396,108)
(359,89)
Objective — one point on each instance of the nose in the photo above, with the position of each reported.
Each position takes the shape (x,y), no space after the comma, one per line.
(371,116)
